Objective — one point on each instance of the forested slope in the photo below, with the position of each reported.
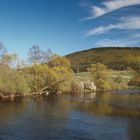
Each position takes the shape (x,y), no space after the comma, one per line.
(116,58)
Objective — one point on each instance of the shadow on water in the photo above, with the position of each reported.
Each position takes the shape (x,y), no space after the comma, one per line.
(103,116)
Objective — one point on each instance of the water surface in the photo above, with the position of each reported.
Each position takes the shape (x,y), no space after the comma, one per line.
(91,117)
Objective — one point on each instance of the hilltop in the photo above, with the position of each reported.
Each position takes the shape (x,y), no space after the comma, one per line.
(116,58)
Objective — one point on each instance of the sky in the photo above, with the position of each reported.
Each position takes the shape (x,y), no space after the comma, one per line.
(66,26)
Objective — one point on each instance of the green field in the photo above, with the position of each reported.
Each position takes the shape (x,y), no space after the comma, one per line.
(126,76)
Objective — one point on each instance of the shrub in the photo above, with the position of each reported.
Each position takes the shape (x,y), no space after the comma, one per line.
(135,81)
(11,82)
(57,76)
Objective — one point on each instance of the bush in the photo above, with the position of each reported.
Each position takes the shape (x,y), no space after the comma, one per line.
(11,82)
(102,85)
(57,77)
(100,76)
(135,81)
(118,79)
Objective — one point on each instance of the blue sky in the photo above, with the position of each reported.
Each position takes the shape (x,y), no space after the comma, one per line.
(67,26)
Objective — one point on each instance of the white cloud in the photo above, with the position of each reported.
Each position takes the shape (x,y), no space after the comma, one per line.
(100,30)
(116,43)
(127,23)
(110,6)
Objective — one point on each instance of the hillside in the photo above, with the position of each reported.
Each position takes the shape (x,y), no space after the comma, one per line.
(116,58)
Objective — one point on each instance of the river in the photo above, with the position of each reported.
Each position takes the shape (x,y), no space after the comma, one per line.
(106,116)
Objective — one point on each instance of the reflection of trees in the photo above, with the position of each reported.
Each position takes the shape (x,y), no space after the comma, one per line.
(34,118)
(55,107)
(49,113)
(51,106)
(49,116)
(11,110)
(95,106)
(110,104)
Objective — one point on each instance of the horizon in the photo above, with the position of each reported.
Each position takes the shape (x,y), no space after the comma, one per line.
(68,26)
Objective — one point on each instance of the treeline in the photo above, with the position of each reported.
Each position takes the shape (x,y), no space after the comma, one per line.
(116,58)
(42,73)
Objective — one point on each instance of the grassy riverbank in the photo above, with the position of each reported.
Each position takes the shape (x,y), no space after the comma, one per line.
(119,79)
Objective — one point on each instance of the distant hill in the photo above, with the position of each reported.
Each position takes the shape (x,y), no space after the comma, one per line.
(116,58)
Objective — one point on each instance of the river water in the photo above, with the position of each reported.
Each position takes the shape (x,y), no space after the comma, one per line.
(106,116)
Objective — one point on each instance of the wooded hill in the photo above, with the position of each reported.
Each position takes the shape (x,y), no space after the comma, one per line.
(116,58)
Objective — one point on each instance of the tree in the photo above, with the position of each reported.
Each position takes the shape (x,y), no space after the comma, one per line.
(99,71)
(135,81)
(59,61)
(56,77)
(9,59)
(100,75)
(12,82)
(21,64)
(62,74)
(35,54)
(37,76)
(46,56)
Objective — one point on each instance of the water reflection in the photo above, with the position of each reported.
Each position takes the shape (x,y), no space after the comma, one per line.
(10,110)
(102,116)
(110,104)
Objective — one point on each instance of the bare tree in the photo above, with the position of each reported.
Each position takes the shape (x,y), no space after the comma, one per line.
(35,54)
(47,56)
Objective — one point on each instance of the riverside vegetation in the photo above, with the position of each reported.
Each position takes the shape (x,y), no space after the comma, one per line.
(48,73)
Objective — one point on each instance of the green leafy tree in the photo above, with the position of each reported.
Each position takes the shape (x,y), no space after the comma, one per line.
(57,76)
(12,82)
(100,75)
(135,81)
(59,61)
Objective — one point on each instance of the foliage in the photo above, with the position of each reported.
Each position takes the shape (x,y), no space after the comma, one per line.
(9,59)
(66,75)
(36,75)
(102,84)
(11,82)
(99,71)
(104,77)
(100,75)
(76,87)
(58,75)
(113,57)
(118,79)
(59,61)
(136,80)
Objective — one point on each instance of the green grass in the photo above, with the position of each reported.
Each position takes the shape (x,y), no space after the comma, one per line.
(84,74)
(125,76)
